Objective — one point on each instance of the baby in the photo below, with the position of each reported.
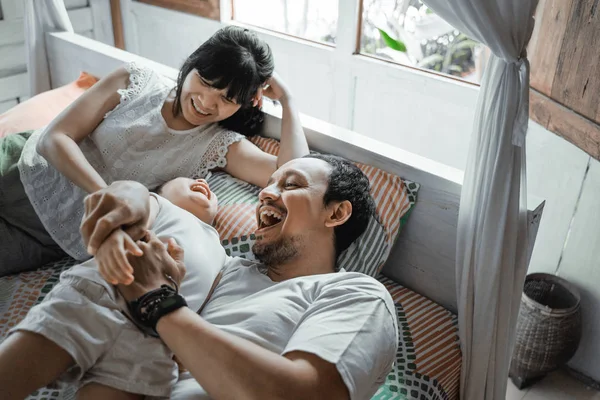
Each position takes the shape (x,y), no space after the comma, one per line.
(86,317)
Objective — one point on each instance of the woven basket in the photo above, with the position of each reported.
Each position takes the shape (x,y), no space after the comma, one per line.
(548,328)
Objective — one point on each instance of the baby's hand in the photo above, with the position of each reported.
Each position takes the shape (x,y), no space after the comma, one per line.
(112,258)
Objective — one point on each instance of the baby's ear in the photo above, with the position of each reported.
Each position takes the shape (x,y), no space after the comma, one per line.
(338,213)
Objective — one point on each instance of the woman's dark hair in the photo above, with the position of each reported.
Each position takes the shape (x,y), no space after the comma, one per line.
(235,59)
(348,182)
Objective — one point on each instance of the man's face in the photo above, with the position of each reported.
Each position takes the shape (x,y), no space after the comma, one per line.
(291,209)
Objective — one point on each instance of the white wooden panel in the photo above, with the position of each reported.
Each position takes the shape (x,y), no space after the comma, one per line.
(7,105)
(87,34)
(12,9)
(581,266)
(81,19)
(130,29)
(12,60)
(307,68)
(11,32)
(102,21)
(13,86)
(69,54)
(555,171)
(423,114)
(71,4)
(157,39)
(343,82)
(308,71)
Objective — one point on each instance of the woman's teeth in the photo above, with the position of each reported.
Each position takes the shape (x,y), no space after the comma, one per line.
(197,109)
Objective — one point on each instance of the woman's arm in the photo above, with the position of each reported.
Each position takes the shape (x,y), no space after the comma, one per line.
(228,367)
(293,141)
(247,162)
(59,143)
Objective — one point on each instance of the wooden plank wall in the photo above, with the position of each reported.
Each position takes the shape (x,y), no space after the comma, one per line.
(90,18)
(565,54)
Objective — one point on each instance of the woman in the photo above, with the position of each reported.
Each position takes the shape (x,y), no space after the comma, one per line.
(134,125)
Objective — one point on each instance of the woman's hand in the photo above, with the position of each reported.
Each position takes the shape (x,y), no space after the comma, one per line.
(122,204)
(112,260)
(152,268)
(275,89)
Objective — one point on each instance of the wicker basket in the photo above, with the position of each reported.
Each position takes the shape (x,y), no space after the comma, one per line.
(548,328)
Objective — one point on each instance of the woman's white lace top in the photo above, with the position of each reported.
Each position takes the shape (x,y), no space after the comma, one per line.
(133,142)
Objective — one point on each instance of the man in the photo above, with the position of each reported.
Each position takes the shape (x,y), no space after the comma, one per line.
(290,326)
(287,327)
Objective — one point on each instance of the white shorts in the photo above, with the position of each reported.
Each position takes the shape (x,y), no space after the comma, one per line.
(86,319)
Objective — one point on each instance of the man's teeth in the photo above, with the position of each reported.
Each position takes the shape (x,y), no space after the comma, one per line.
(199,110)
(264,217)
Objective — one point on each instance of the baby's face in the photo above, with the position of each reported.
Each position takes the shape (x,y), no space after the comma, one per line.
(193,195)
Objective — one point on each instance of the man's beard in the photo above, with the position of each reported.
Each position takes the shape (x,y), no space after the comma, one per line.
(277,253)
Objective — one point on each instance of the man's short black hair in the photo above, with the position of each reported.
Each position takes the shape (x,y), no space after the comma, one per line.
(348,182)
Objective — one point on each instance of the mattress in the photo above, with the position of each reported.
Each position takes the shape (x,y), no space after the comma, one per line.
(427,363)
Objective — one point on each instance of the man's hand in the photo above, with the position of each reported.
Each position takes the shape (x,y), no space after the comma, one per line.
(122,204)
(151,269)
(112,260)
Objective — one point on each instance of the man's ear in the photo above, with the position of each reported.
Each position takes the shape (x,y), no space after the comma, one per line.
(339,212)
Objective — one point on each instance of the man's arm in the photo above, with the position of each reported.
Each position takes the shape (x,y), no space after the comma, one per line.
(226,366)
(230,367)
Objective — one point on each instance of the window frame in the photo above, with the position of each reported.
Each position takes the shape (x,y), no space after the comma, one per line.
(187,6)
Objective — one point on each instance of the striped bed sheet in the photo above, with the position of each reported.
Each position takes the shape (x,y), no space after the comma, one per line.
(427,363)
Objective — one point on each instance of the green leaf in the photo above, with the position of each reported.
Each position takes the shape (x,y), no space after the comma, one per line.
(391,42)
(428,11)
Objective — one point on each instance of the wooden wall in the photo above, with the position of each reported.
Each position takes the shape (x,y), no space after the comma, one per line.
(90,18)
(565,71)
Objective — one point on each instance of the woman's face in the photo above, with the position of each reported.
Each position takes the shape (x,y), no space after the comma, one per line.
(202,104)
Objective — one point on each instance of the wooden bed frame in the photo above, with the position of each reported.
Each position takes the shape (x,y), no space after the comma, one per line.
(423,259)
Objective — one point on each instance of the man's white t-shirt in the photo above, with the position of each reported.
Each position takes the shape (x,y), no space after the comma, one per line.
(345,318)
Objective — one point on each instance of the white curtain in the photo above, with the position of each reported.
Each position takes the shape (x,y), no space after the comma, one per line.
(42,16)
(492,226)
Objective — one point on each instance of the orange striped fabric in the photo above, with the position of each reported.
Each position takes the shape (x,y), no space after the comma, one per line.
(434,335)
(235,220)
(267,145)
(390,197)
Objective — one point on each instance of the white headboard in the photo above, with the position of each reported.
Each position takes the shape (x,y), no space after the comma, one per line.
(422,259)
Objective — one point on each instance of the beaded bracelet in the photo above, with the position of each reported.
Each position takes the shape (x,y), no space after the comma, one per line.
(149,308)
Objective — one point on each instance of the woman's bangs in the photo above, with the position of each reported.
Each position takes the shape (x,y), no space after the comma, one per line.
(241,81)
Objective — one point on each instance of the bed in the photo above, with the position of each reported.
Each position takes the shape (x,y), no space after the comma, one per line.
(419,273)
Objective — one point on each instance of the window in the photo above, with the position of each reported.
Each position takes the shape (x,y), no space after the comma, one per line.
(314,20)
(409,33)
